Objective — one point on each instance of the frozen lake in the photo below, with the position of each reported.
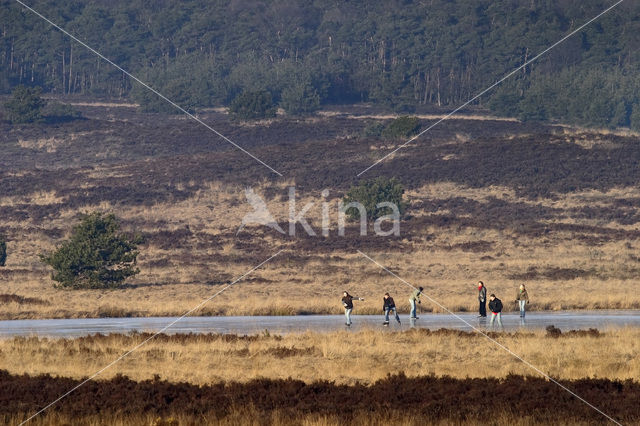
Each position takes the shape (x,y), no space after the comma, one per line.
(570,320)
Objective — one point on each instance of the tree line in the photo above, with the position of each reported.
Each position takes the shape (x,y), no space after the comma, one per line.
(398,53)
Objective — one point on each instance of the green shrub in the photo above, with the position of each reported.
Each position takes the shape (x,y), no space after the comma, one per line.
(56,112)
(25,105)
(299,98)
(253,105)
(96,255)
(3,250)
(373,130)
(402,127)
(372,192)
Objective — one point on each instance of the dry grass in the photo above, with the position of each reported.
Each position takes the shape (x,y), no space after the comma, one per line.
(178,277)
(314,356)
(582,131)
(247,416)
(479,117)
(105,104)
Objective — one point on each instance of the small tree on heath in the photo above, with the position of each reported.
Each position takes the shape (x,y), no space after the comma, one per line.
(372,192)
(96,256)
(25,105)
(253,105)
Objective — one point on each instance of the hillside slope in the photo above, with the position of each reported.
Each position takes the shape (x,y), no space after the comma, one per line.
(500,201)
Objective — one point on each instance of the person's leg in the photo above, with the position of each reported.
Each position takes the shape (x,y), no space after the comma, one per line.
(499,315)
(386,315)
(347,314)
(413,308)
(483,309)
(522,304)
(395,312)
(493,317)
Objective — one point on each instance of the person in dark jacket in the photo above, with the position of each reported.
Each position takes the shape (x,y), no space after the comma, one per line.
(482,298)
(495,306)
(347,302)
(389,305)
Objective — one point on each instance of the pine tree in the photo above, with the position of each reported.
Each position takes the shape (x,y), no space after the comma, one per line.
(25,105)
(96,255)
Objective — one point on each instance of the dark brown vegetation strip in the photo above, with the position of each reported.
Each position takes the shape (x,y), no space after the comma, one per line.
(554,332)
(427,398)
(7,298)
(205,338)
(552,274)
(153,156)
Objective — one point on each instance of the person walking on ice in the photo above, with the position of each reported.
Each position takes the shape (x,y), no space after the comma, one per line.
(482,298)
(347,302)
(389,305)
(522,297)
(495,306)
(415,297)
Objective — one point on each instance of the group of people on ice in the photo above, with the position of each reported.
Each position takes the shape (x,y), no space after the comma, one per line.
(495,304)
(389,305)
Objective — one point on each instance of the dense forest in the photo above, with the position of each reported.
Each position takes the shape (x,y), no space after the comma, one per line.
(401,54)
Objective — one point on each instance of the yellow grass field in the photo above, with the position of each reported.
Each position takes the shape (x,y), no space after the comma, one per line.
(310,356)
(246,416)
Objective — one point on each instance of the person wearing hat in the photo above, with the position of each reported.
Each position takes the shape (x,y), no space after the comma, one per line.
(389,305)
(415,297)
(522,297)
(347,302)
